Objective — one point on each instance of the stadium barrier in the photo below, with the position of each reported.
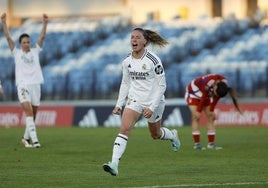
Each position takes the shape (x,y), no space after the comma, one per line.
(99,113)
(254,114)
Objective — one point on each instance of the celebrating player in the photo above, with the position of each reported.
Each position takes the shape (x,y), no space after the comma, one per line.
(203,93)
(143,86)
(29,78)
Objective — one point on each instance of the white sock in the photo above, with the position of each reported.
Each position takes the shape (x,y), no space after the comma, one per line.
(26,133)
(166,134)
(30,126)
(119,148)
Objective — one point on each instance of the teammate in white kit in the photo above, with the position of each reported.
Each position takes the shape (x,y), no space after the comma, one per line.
(29,78)
(142,88)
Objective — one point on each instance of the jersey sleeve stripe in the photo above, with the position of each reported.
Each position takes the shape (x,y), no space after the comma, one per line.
(152,58)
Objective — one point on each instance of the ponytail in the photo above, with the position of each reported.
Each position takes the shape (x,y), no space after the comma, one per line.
(152,37)
(222,90)
(234,98)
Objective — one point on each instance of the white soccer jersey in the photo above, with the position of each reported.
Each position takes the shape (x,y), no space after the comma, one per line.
(28,69)
(143,80)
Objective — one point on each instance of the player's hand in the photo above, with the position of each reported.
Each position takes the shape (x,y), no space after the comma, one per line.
(117,111)
(3,17)
(147,113)
(45,18)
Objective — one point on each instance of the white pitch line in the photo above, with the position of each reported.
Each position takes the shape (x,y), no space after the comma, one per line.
(205,185)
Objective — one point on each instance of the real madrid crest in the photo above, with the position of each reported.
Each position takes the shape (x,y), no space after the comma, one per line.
(144,66)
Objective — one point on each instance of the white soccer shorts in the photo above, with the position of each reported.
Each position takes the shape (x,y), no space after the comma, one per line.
(157,114)
(29,93)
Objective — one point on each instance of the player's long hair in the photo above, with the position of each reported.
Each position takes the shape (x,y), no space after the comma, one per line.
(223,89)
(152,37)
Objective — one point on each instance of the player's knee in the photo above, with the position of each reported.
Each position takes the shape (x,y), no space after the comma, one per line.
(195,119)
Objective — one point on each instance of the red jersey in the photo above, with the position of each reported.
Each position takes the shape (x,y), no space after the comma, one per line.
(201,89)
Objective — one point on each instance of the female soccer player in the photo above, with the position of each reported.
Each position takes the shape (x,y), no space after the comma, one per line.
(143,86)
(203,93)
(29,78)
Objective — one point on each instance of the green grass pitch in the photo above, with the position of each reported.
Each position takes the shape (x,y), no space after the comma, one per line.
(73,157)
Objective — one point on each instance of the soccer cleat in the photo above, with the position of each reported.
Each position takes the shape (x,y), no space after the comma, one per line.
(26,143)
(213,146)
(198,146)
(111,168)
(176,144)
(36,145)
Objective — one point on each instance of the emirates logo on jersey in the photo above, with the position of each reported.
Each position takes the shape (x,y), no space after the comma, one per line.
(138,75)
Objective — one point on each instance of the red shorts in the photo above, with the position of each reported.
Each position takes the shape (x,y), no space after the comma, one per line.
(195,101)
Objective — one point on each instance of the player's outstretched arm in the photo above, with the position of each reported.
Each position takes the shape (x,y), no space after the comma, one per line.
(1,89)
(43,31)
(6,32)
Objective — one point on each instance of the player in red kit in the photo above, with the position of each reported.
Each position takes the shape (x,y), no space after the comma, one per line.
(203,93)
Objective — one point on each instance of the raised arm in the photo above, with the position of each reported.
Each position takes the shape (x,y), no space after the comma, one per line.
(6,32)
(43,31)
(1,89)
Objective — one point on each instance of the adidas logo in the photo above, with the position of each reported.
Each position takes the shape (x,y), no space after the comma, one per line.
(89,119)
(112,121)
(174,119)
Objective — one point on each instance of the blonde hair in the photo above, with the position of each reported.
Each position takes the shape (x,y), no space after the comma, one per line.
(152,37)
